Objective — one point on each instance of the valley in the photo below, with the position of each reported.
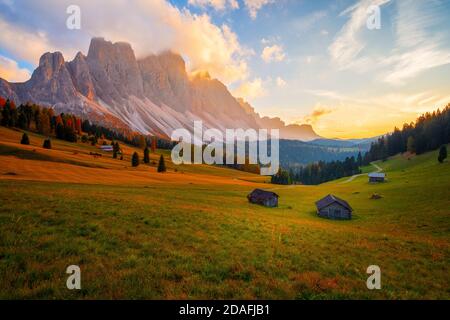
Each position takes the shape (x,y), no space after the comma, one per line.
(190,233)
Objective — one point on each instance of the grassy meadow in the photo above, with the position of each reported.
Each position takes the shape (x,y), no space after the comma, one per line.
(190,233)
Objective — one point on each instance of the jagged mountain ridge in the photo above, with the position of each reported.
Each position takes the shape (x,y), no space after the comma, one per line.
(153,95)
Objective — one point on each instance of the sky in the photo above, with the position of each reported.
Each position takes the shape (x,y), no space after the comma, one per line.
(317,62)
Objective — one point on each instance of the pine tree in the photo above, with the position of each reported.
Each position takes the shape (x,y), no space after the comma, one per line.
(161,165)
(411,145)
(47,144)
(25,139)
(360,159)
(442,153)
(116,149)
(146,155)
(135,160)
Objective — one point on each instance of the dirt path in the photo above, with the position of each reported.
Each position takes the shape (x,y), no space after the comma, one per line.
(362,174)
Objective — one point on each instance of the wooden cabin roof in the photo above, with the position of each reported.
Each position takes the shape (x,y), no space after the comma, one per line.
(262,194)
(329,199)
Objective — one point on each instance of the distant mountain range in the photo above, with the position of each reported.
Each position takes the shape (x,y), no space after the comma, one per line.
(153,95)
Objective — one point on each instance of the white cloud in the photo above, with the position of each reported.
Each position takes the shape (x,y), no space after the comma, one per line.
(250,89)
(10,71)
(218,5)
(411,63)
(418,46)
(149,26)
(273,53)
(280,82)
(24,44)
(253,6)
(348,44)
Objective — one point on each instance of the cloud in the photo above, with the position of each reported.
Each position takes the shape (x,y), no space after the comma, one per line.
(10,71)
(410,64)
(253,6)
(318,112)
(418,43)
(149,26)
(349,43)
(280,82)
(307,22)
(250,89)
(218,5)
(273,53)
(419,46)
(13,38)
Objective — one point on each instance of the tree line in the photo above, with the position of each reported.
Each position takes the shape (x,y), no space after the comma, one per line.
(430,132)
(319,172)
(43,120)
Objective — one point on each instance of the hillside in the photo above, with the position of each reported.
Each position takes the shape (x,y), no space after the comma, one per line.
(191,233)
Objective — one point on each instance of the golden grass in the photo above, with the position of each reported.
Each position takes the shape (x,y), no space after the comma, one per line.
(192,234)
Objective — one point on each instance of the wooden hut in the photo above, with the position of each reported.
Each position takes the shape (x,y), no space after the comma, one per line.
(264,198)
(377,177)
(332,207)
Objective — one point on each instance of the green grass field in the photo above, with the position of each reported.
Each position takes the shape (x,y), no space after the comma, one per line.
(167,236)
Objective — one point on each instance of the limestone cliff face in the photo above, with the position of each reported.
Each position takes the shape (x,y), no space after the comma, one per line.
(154,95)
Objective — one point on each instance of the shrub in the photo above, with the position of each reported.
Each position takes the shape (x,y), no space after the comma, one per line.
(47,144)
(135,160)
(25,139)
(161,164)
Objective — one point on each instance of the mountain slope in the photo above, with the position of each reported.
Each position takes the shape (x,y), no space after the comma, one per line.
(153,95)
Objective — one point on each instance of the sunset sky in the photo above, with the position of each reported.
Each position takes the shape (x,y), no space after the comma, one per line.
(304,61)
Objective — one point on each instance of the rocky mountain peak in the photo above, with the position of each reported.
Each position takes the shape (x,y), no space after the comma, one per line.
(153,95)
(49,65)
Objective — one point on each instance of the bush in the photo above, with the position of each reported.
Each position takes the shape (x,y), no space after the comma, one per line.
(161,164)
(135,160)
(47,144)
(25,139)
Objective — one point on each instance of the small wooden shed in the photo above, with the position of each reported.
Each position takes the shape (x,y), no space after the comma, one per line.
(332,207)
(264,198)
(377,177)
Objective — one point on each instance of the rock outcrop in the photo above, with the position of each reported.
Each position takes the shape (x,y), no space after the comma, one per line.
(154,95)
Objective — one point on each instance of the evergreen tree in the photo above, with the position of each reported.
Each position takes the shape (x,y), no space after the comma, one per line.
(9,114)
(69,134)
(161,164)
(411,144)
(25,139)
(60,133)
(146,155)
(116,149)
(47,144)
(135,160)
(360,159)
(442,153)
